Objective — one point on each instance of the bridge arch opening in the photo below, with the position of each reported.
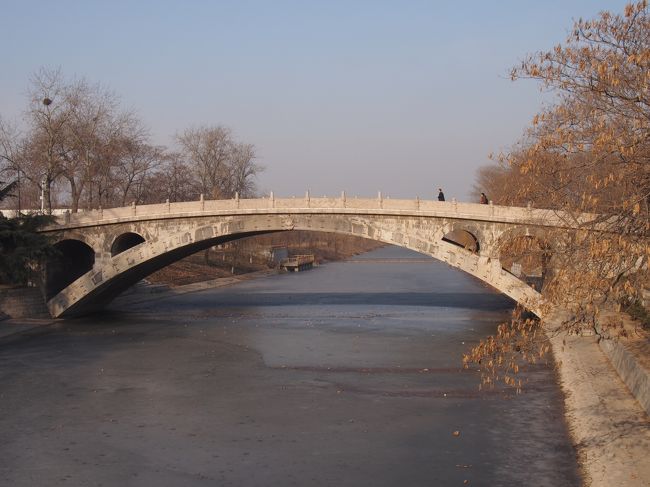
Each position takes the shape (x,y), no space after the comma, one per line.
(463,239)
(527,258)
(73,260)
(125,242)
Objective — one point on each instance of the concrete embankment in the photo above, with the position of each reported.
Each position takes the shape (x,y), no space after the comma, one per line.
(609,426)
(629,354)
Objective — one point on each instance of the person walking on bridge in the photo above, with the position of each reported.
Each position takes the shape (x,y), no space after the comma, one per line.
(484,200)
(441,195)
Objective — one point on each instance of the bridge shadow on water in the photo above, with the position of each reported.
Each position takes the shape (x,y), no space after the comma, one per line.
(475,301)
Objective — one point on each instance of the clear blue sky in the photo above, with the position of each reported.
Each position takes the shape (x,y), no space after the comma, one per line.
(399,96)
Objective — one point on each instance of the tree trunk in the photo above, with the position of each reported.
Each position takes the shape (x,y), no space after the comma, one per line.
(47,196)
(74,195)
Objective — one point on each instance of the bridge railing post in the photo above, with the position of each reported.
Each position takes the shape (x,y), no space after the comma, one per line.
(66,217)
(272,198)
(380,199)
(417,203)
(202,201)
(237,199)
(307,199)
(169,208)
(491,208)
(343,198)
(133,209)
(455,203)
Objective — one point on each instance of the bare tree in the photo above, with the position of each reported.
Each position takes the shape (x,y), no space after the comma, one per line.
(137,162)
(220,165)
(41,157)
(10,157)
(242,170)
(496,181)
(173,181)
(207,151)
(94,128)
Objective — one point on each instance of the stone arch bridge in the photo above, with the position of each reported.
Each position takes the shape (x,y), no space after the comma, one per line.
(103,252)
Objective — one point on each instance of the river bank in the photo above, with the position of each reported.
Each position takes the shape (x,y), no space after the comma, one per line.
(256,254)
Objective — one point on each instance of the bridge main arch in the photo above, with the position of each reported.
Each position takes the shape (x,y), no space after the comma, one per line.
(168,240)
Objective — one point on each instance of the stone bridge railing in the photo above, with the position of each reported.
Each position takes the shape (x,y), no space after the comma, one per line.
(307,204)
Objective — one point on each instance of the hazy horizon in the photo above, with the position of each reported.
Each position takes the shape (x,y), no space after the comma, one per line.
(361,97)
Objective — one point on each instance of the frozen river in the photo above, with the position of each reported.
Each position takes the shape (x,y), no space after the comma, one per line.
(346,375)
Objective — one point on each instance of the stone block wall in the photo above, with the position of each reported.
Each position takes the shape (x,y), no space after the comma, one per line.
(26,302)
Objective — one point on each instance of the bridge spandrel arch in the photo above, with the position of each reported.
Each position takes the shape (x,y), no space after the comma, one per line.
(527,252)
(171,240)
(463,239)
(124,242)
(73,259)
(510,233)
